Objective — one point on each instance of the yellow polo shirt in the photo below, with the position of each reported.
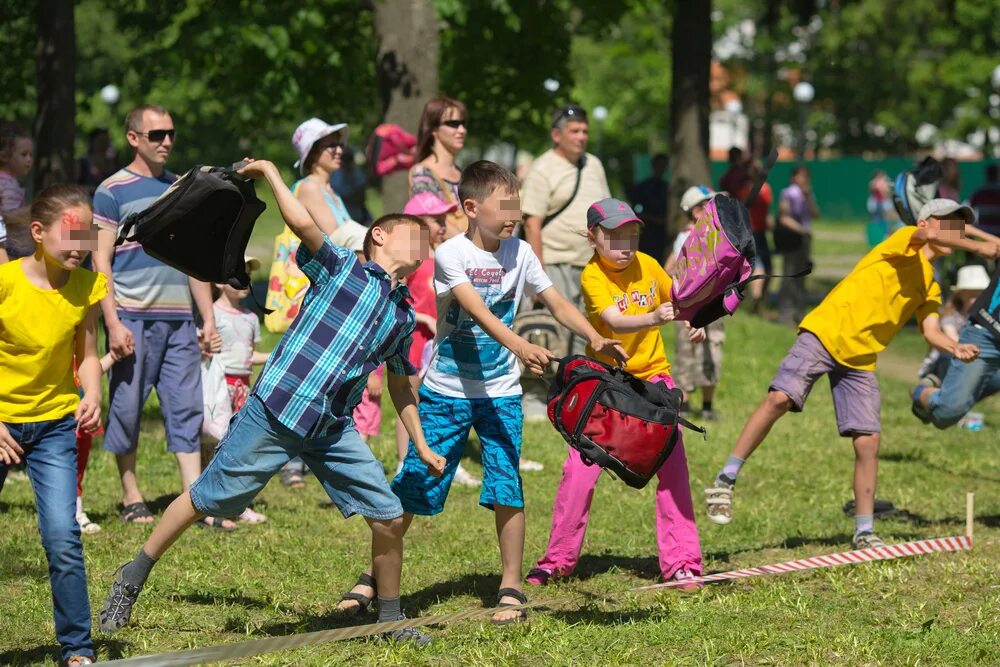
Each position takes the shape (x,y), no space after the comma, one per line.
(862,314)
(636,290)
(38,340)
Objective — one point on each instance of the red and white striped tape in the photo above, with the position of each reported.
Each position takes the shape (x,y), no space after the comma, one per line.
(888,552)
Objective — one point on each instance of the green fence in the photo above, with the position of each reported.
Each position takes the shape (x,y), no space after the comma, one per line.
(841,185)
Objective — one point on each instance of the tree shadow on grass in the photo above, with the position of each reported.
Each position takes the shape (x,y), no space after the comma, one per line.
(49,653)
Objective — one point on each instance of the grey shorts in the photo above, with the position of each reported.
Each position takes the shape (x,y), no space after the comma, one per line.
(856,398)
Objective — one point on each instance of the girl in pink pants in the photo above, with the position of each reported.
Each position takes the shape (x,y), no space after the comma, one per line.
(627,297)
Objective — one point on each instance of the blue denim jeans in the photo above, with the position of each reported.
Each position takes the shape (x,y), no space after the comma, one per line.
(50,457)
(964,384)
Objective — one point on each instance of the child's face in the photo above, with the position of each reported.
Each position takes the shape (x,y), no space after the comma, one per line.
(437,226)
(616,247)
(22,156)
(497,215)
(948,228)
(68,241)
(407,244)
(232,294)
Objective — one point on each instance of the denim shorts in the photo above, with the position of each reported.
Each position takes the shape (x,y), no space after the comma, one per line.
(257,445)
(446,421)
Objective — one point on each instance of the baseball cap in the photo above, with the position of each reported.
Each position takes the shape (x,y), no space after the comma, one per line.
(695,195)
(938,208)
(428,203)
(307,134)
(252,263)
(350,235)
(610,213)
(972,277)
(571,112)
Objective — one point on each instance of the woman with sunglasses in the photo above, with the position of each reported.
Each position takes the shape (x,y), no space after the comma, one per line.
(443,127)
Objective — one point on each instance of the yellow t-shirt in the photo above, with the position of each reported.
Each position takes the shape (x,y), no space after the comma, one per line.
(636,290)
(862,314)
(38,340)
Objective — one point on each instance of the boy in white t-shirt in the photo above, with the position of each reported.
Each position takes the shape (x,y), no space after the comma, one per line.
(474,379)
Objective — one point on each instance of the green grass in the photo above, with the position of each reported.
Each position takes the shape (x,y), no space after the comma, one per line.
(286,576)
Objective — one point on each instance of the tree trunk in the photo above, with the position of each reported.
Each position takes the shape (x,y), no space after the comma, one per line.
(55,119)
(407,71)
(692,59)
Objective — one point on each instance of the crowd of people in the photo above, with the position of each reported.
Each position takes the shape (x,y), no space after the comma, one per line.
(420,304)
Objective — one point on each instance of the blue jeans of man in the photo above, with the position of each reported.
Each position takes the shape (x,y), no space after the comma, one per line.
(964,384)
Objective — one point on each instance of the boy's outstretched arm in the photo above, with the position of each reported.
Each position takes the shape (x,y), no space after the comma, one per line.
(534,357)
(404,398)
(972,231)
(570,317)
(620,323)
(295,214)
(930,327)
(987,249)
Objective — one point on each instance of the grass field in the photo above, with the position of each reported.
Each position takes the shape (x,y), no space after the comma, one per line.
(287,575)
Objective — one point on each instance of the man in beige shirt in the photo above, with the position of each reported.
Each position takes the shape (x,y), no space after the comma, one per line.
(555,219)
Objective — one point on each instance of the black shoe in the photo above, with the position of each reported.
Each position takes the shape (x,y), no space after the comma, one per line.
(408,635)
(117,609)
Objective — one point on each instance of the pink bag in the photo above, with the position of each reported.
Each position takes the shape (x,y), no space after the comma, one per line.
(391,148)
(714,264)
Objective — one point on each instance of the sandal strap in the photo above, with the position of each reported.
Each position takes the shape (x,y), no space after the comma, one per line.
(363,600)
(719,501)
(510,593)
(365,579)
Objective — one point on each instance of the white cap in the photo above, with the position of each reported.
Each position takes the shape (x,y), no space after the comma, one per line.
(938,208)
(972,277)
(695,195)
(307,134)
(350,235)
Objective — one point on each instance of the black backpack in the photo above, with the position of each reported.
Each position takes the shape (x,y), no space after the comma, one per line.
(201,225)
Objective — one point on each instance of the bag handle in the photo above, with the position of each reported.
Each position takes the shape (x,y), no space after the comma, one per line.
(772,158)
(576,189)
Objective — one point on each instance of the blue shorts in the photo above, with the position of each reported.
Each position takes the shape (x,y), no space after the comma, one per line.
(167,358)
(446,422)
(257,445)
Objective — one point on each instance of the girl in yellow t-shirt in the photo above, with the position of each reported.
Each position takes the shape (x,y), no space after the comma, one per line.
(627,296)
(48,315)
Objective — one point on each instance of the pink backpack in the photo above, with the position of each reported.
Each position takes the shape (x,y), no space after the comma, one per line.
(714,264)
(391,148)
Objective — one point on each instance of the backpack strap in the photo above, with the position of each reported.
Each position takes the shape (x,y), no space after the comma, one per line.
(576,188)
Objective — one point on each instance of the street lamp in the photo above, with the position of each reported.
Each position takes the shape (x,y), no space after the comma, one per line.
(803,92)
(551,85)
(110,94)
(600,115)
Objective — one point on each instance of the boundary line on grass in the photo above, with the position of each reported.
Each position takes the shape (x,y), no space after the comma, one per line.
(271,644)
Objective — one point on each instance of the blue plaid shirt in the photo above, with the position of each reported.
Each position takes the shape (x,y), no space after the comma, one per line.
(351,321)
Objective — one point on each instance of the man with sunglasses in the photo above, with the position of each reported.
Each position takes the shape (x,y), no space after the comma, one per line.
(561,185)
(148,317)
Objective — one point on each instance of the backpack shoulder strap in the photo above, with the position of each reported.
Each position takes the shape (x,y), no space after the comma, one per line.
(576,188)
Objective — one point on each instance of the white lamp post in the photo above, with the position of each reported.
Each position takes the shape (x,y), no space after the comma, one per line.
(110,94)
(803,92)
(551,85)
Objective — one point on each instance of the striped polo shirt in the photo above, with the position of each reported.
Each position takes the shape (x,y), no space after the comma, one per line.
(145,287)
(352,320)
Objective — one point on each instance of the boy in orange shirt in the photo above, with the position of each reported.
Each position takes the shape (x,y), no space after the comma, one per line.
(842,337)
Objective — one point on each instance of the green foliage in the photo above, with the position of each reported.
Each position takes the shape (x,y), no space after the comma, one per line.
(17,75)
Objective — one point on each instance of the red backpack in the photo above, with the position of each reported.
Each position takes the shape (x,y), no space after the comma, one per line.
(617,421)
(391,148)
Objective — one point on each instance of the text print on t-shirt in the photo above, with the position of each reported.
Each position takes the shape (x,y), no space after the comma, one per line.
(635,297)
(469,352)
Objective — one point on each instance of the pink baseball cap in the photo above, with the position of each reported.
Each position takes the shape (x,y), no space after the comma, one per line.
(428,203)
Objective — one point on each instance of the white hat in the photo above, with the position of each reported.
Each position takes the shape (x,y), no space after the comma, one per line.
(937,208)
(252,263)
(695,195)
(350,235)
(972,277)
(307,134)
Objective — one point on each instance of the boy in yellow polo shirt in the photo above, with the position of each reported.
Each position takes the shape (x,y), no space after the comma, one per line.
(842,337)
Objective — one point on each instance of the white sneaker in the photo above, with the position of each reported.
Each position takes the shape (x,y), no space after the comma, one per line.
(464,478)
(526,465)
(87,527)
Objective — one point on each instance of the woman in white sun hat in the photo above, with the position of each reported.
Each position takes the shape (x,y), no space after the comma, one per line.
(321,148)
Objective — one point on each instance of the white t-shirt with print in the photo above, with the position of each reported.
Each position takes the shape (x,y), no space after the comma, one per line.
(239,330)
(468,363)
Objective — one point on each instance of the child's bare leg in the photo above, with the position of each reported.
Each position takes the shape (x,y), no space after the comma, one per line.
(865,479)
(510,531)
(379,545)
(130,485)
(177,518)
(759,425)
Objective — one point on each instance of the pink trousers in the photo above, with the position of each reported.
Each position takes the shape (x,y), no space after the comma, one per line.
(676,532)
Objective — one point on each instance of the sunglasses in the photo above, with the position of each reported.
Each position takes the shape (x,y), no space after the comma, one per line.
(573,112)
(455,124)
(158,136)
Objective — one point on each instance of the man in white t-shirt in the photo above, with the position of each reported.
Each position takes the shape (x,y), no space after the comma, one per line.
(561,185)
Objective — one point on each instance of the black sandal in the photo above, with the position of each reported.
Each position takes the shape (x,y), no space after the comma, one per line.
(364,602)
(215,523)
(521,599)
(129,513)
